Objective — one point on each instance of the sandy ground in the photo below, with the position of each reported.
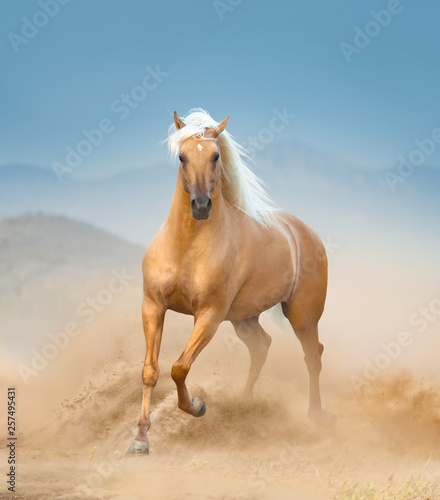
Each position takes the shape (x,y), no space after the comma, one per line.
(78,416)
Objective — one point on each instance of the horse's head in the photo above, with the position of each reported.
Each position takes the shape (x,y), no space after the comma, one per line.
(199,157)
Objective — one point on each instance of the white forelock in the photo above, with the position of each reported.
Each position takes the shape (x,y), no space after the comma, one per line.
(243,188)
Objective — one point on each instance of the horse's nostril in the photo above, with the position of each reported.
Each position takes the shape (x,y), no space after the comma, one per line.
(201,203)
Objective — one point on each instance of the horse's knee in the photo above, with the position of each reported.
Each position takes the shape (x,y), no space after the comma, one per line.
(179,371)
(150,375)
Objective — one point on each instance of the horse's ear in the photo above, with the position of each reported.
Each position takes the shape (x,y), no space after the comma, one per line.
(215,132)
(178,122)
(222,125)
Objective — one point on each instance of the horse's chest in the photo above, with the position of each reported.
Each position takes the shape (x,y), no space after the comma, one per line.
(184,284)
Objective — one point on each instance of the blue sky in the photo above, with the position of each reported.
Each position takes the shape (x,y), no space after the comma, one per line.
(260,56)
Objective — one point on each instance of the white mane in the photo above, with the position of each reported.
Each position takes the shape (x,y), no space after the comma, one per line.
(241,187)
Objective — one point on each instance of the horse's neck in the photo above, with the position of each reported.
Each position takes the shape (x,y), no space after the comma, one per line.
(181,221)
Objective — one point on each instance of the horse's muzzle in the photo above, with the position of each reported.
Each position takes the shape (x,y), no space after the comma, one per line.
(201,207)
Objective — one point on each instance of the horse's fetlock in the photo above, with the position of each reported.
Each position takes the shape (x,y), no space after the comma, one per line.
(184,405)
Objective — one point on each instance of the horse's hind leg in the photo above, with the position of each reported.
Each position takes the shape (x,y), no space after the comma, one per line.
(258,342)
(313,349)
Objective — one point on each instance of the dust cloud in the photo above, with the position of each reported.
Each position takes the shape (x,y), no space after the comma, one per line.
(77,416)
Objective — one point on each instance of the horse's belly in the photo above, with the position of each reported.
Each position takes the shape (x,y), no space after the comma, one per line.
(260,294)
(244,307)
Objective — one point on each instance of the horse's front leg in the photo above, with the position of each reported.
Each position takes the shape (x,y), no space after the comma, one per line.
(205,326)
(152,319)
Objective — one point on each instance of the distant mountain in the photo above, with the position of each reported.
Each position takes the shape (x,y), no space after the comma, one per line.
(57,242)
(131,204)
(50,264)
(328,193)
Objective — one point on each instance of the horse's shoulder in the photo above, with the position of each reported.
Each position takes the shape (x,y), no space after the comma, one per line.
(156,254)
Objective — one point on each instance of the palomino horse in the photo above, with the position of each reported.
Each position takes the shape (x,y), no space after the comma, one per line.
(225,252)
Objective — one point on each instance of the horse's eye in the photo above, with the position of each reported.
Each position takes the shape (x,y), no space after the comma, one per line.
(181,158)
(216,157)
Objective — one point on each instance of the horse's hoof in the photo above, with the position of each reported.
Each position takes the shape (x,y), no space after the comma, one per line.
(202,410)
(323,418)
(138,448)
